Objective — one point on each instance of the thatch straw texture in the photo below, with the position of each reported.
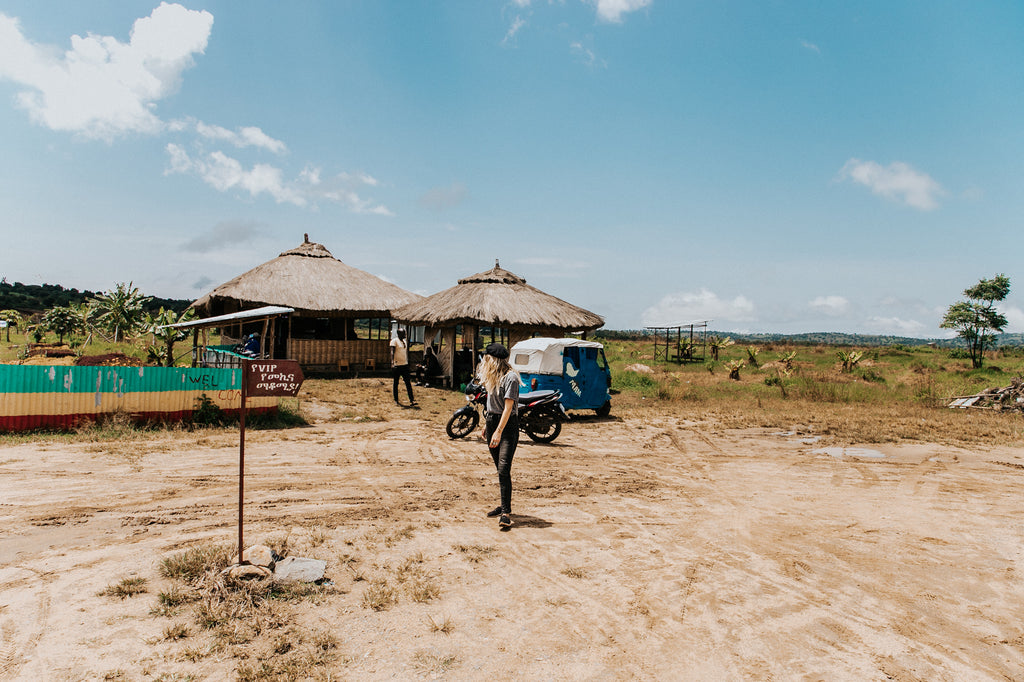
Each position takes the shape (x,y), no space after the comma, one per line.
(309,278)
(500,298)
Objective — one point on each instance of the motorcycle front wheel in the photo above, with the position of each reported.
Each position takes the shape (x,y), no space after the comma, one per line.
(542,430)
(462,424)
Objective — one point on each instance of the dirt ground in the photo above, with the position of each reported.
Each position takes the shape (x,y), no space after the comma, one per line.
(644,547)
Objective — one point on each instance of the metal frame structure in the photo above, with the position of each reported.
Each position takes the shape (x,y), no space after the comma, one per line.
(688,339)
(219,358)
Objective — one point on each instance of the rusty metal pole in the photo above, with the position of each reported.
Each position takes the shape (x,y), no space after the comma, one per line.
(241,458)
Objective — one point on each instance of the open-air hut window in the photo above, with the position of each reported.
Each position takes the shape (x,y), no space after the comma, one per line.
(373,328)
(489,335)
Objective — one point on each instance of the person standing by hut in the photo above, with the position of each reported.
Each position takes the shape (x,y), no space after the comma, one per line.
(501,423)
(400,366)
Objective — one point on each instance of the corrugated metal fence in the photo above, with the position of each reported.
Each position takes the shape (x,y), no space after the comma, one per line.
(33,396)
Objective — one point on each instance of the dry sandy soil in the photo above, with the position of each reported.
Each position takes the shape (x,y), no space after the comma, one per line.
(645,547)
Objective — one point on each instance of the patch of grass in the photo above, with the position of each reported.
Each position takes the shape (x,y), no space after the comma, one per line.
(404,533)
(575,572)
(422,589)
(126,587)
(379,595)
(434,662)
(445,625)
(176,632)
(176,595)
(475,553)
(196,562)
(318,536)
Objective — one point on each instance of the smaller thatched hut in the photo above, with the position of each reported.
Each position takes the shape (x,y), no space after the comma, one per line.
(342,314)
(495,305)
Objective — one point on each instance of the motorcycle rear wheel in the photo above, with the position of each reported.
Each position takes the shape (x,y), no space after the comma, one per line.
(543,431)
(461,425)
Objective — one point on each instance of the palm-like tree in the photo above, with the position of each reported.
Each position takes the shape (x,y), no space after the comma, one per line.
(61,320)
(153,324)
(13,319)
(717,343)
(119,310)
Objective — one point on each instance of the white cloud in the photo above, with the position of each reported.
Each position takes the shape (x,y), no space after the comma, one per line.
(612,10)
(898,181)
(101,87)
(225,173)
(444,198)
(830,305)
(810,46)
(510,35)
(586,55)
(686,307)
(248,136)
(1014,318)
(894,325)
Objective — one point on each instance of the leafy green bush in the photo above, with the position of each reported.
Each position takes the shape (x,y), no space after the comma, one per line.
(207,412)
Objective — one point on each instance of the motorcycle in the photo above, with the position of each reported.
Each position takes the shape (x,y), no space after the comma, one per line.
(540,414)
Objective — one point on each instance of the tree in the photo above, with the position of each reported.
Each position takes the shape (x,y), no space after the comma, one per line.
(13,319)
(119,310)
(61,320)
(976,319)
(717,343)
(153,324)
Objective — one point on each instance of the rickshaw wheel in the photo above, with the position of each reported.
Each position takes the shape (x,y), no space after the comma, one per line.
(461,425)
(604,410)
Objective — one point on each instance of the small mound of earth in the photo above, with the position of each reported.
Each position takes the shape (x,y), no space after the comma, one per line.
(108,360)
(639,369)
(49,350)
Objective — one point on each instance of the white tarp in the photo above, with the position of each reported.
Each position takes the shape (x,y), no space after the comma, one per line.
(543,355)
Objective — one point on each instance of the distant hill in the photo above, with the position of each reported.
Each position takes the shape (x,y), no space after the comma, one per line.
(36,298)
(821,338)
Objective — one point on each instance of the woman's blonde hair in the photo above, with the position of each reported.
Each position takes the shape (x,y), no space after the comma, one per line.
(492,370)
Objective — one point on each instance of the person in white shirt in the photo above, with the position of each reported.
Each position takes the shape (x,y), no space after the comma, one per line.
(400,366)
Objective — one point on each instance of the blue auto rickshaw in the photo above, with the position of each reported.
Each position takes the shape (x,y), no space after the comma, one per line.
(575,367)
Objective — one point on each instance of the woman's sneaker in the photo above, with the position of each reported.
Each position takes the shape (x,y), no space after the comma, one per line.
(505,521)
(494,512)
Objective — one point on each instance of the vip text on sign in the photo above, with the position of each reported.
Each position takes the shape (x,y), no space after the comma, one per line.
(272,377)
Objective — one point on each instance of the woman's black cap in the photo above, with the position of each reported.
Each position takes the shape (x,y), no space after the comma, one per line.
(497,350)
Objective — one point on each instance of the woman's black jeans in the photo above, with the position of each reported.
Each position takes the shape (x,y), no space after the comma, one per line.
(503,454)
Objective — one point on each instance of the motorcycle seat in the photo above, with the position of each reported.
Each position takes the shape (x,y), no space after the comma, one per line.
(530,397)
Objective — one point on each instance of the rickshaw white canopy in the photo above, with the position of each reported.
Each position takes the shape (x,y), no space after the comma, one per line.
(543,355)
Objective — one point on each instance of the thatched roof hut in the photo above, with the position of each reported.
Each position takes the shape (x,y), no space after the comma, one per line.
(342,314)
(500,298)
(501,305)
(308,278)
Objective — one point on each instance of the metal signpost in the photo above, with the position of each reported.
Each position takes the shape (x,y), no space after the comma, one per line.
(262,378)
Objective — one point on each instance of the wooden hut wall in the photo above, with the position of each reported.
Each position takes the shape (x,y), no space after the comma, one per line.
(328,352)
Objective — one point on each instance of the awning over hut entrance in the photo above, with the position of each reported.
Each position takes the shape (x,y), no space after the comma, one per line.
(341,314)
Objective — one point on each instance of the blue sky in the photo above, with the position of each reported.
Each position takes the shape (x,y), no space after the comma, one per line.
(770,166)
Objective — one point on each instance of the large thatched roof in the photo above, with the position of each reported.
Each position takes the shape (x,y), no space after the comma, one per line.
(501,298)
(309,278)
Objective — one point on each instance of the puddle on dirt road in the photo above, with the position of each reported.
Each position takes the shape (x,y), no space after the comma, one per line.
(839,453)
(806,440)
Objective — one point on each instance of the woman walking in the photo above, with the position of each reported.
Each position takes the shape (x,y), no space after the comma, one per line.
(501,423)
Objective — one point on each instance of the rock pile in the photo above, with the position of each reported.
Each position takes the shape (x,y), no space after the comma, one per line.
(259,561)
